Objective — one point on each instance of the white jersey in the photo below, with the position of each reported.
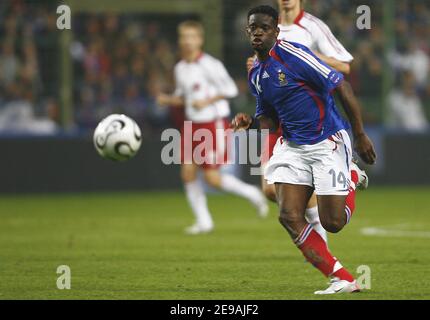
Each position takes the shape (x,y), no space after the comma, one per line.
(202,79)
(316,35)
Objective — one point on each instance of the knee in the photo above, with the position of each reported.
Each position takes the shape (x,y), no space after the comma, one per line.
(269,192)
(212,181)
(289,219)
(333,225)
(188,176)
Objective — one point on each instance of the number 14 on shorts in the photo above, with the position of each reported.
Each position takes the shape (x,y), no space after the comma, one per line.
(339,179)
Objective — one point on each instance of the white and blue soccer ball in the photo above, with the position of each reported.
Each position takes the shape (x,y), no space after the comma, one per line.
(117,137)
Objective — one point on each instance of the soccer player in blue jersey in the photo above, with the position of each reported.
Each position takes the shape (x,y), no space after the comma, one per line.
(294,89)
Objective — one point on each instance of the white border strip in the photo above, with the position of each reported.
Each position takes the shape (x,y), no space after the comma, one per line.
(389,232)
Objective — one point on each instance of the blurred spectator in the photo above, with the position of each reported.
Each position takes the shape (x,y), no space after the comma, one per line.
(18,115)
(409,57)
(125,62)
(28,80)
(405,109)
(367,70)
(9,63)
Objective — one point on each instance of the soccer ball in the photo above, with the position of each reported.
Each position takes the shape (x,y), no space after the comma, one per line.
(117,137)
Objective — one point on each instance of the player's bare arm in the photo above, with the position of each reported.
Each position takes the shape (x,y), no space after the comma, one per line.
(200,104)
(340,66)
(362,144)
(170,100)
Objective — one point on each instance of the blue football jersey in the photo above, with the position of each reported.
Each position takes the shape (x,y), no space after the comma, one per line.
(294,87)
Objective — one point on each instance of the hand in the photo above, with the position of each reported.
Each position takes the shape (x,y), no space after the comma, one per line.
(365,149)
(241,121)
(200,104)
(250,63)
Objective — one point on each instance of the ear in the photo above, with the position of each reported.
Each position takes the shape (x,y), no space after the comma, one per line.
(277,31)
(247,31)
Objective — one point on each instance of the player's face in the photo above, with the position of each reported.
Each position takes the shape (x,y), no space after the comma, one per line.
(288,4)
(190,40)
(262,31)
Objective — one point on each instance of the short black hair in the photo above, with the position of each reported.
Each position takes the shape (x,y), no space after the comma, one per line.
(264,9)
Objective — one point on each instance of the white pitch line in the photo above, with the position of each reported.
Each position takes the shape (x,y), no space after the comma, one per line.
(384,232)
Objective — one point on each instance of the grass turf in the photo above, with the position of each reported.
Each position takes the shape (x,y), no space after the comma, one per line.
(131,246)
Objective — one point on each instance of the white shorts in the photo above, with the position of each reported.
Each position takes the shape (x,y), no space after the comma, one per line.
(323,166)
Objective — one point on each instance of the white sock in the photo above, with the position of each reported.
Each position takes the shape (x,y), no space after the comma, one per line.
(313,218)
(197,201)
(233,185)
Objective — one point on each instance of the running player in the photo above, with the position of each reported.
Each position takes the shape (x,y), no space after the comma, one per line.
(299,26)
(203,86)
(294,88)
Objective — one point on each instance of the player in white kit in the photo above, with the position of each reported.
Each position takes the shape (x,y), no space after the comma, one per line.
(203,86)
(299,26)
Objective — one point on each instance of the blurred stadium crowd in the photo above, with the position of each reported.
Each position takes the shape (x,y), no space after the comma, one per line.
(28,73)
(121,62)
(408,101)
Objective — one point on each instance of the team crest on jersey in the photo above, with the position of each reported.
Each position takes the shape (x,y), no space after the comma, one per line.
(282,78)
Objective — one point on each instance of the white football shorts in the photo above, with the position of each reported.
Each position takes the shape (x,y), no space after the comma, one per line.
(324,166)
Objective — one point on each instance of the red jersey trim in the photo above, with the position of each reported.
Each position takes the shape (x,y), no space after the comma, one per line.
(200,56)
(274,55)
(318,102)
(299,17)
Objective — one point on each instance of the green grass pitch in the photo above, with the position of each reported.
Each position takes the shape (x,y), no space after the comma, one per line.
(131,246)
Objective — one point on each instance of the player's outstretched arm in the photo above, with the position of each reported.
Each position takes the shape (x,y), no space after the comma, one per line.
(200,104)
(170,100)
(340,66)
(243,121)
(362,143)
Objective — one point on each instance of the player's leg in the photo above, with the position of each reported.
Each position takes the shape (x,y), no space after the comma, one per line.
(330,167)
(332,212)
(311,212)
(292,200)
(231,184)
(335,182)
(268,190)
(290,168)
(228,182)
(336,211)
(333,218)
(312,216)
(197,200)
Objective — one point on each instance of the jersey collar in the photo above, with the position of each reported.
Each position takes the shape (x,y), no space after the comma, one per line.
(299,17)
(295,22)
(197,59)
